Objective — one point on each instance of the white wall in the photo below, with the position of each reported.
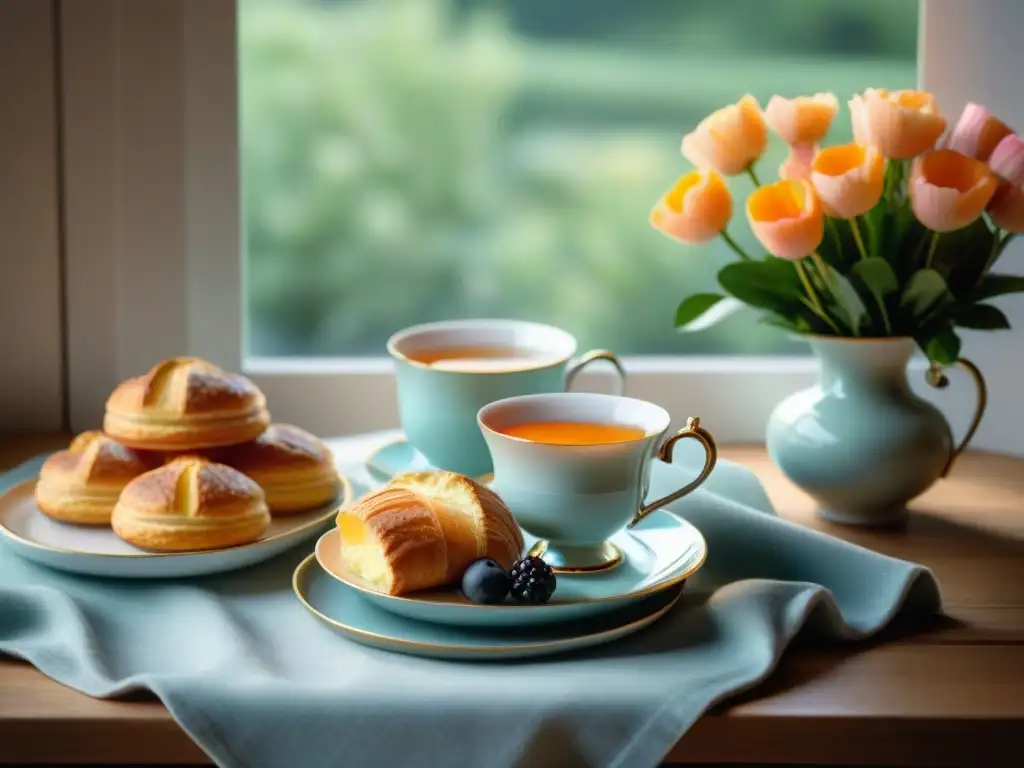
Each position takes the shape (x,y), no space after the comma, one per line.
(31,356)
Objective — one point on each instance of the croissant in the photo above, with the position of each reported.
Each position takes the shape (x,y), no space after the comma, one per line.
(423,529)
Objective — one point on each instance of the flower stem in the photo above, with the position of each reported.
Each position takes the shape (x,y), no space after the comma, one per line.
(753,176)
(931,249)
(735,246)
(856,236)
(815,302)
(826,276)
(834,231)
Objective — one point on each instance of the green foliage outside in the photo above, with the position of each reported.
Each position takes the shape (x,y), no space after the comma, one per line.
(414,160)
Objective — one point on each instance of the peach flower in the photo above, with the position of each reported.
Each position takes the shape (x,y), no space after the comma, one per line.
(803,120)
(900,124)
(729,139)
(848,179)
(949,190)
(797,164)
(696,209)
(977,133)
(1007,160)
(1007,208)
(786,218)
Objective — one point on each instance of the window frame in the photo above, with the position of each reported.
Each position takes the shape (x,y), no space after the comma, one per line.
(154,238)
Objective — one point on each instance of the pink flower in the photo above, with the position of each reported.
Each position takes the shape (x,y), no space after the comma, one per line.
(1007,208)
(803,120)
(797,164)
(949,190)
(1007,160)
(977,133)
(900,124)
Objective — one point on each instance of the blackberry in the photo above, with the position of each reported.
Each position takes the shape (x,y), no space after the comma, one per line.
(533,581)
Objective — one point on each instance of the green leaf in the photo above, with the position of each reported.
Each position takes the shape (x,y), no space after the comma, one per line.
(961,257)
(941,345)
(925,292)
(877,275)
(982,317)
(770,284)
(998,285)
(794,325)
(879,280)
(849,303)
(703,310)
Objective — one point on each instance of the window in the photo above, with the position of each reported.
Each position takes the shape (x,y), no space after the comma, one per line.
(349,209)
(414,160)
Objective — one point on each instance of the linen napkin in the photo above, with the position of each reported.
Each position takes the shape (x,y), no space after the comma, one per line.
(257,681)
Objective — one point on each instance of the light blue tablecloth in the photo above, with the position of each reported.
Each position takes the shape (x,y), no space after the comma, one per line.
(260,683)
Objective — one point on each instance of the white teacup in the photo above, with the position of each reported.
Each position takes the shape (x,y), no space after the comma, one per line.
(575,497)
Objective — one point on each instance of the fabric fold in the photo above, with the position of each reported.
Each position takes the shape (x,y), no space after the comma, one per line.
(255,680)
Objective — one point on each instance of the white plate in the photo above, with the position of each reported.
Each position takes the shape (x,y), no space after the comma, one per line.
(98,551)
(343,608)
(662,552)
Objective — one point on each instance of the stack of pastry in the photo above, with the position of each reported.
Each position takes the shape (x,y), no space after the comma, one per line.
(187,460)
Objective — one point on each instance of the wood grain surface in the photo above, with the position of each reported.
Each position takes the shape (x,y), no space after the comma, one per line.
(947,694)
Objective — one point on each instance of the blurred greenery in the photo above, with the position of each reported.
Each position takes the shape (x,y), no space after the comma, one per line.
(414,160)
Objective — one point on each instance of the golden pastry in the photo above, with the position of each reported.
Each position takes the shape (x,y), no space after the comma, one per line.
(191,504)
(294,468)
(423,529)
(81,484)
(184,404)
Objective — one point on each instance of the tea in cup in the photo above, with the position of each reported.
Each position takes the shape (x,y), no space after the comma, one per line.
(575,468)
(447,371)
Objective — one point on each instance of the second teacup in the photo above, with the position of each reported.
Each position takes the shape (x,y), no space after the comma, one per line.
(575,469)
(447,371)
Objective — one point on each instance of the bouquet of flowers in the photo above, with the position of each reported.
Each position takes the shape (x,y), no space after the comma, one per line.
(893,234)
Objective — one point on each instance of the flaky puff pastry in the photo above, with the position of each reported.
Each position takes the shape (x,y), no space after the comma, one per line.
(82,484)
(185,404)
(191,504)
(295,469)
(423,529)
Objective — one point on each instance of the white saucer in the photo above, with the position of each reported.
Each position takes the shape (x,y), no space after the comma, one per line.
(98,551)
(342,608)
(663,551)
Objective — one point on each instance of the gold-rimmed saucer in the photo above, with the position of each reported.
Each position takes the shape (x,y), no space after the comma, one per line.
(343,609)
(661,553)
(98,551)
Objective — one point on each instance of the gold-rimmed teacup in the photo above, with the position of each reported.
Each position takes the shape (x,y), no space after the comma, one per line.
(575,496)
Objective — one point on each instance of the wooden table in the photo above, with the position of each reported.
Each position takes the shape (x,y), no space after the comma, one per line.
(947,694)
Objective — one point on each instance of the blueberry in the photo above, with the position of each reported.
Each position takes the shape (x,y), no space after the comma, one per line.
(485,581)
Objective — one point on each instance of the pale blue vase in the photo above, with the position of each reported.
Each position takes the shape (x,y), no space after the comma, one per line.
(860,441)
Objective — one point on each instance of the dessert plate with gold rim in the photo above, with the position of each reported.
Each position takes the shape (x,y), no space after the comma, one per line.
(343,609)
(98,551)
(661,552)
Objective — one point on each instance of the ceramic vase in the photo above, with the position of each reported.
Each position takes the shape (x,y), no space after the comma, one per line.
(860,441)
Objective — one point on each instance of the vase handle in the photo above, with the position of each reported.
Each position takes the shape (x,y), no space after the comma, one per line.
(936,378)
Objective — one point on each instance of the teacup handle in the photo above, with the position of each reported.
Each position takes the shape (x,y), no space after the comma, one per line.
(592,356)
(694,430)
(936,378)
